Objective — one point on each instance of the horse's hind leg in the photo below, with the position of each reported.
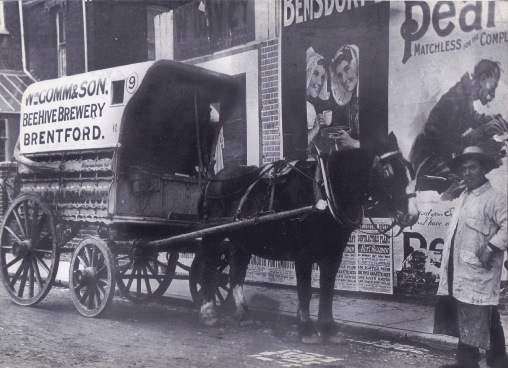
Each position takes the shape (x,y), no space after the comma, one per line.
(328,328)
(306,329)
(211,252)
(238,263)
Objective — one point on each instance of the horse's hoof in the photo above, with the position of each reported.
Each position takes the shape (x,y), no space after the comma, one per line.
(337,340)
(207,315)
(245,322)
(312,340)
(209,322)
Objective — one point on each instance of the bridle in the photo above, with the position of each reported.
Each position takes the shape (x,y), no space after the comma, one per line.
(381,164)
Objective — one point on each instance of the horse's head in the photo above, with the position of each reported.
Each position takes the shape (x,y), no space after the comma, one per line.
(392,183)
(384,175)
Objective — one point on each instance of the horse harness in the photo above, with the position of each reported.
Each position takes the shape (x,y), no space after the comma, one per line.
(273,173)
(381,164)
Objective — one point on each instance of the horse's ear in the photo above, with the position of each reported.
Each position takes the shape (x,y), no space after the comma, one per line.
(392,141)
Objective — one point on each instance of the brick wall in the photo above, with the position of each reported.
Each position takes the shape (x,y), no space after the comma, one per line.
(270,123)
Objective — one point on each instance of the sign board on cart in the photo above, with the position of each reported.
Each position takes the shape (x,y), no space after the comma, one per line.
(82,111)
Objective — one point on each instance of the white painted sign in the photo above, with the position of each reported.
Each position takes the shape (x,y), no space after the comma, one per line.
(78,112)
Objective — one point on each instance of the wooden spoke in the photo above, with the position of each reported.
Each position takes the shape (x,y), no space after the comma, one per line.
(35,221)
(20,223)
(103,268)
(88,256)
(85,295)
(17,274)
(42,263)
(225,288)
(154,274)
(93,292)
(38,277)
(138,283)
(131,278)
(222,291)
(94,257)
(97,296)
(220,297)
(12,262)
(42,238)
(82,259)
(43,251)
(25,220)
(41,223)
(147,281)
(31,280)
(22,283)
(13,233)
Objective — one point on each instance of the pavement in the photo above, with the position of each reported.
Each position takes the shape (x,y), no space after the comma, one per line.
(403,319)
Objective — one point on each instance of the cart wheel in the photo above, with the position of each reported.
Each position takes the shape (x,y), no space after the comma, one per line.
(28,250)
(222,293)
(91,277)
(145,275)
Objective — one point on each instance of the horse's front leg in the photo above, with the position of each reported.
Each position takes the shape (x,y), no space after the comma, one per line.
(328,329)
(211,253)
(238,263)
(308,333)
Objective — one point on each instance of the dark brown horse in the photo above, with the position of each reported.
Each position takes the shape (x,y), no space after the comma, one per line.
(346,179)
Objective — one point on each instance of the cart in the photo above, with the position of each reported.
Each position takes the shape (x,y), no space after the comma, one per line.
(108,161)
(110,169)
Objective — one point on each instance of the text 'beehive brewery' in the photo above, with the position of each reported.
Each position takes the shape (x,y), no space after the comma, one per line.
(64,112)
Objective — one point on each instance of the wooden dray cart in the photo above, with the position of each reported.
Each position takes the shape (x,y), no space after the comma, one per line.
(110,168)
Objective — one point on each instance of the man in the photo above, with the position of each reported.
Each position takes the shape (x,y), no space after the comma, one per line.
(453,124)
(472,262)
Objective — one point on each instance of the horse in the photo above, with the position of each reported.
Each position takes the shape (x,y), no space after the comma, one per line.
(344,179)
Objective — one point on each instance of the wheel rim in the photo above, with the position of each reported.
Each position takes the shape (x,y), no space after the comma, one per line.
(28,250)
(145,275)
(91,280)
(222,291)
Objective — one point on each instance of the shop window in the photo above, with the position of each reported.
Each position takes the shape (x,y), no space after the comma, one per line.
(3,139)
(151,12)
(3,29)
(61,43)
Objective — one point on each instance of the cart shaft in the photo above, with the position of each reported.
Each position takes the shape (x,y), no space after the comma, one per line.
(234,226)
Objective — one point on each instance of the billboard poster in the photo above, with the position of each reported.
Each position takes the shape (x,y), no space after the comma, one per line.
(334,79)
(439,51)
(367,263)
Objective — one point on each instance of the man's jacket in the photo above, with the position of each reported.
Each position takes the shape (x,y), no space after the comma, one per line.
(479,218)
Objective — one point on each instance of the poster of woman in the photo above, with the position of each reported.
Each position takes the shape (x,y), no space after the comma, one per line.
(334,79)
(333,118)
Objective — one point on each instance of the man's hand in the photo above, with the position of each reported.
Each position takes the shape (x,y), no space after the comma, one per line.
(493,127)
(487,257)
